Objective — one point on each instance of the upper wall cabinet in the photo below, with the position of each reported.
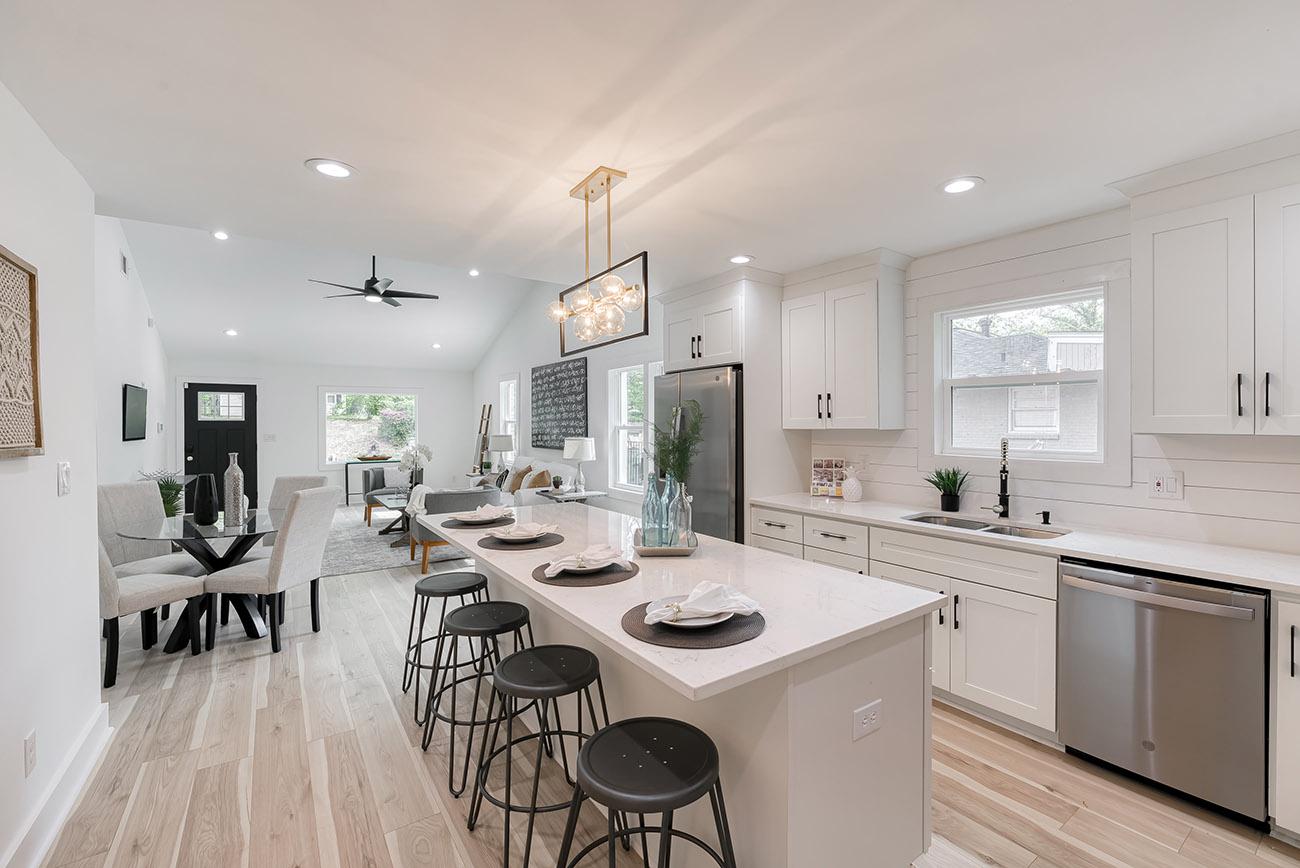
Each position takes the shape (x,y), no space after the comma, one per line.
(842,357)
(1216,302)
(705,330)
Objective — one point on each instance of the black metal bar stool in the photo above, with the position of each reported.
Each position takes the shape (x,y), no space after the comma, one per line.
(442,586)
(539,676)
(649,765)
(484,623)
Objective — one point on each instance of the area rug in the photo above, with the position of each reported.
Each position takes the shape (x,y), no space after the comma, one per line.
(355,548)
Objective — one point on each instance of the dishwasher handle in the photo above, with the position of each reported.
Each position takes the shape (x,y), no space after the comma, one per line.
(1218,610)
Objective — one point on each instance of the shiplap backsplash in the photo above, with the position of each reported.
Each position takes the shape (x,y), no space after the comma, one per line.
(1237,490)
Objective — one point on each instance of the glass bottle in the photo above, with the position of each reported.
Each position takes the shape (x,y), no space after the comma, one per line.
(652,512)
(682,525)
(668,535)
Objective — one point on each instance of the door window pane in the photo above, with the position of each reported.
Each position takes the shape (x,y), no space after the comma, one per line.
(367,423)
(221,407)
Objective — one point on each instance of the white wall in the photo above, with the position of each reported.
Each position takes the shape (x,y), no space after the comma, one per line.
(49,623)
(127,350)
(1239,490)
(289,417)
(529,340)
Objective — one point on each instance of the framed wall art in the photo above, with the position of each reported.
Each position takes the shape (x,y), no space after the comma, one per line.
(20,371)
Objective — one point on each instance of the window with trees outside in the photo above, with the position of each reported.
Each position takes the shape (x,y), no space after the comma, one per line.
(508,414)
(366,423)
(631,424)
(1031,371)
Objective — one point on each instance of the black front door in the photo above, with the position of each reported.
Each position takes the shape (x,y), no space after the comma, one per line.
(221,418)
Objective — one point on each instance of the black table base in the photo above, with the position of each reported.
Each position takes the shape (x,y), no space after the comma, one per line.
(245,605)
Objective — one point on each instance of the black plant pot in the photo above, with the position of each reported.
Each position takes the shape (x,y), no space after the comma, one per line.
(205,499)
(950,502)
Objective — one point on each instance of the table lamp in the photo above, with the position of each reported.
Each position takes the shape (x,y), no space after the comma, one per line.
(578,450)
(499,443)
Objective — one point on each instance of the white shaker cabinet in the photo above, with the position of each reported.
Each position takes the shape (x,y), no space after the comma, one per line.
(1286,749)
(941,625)
(1277,311)
(704,331)
(803,362)
(1194,320)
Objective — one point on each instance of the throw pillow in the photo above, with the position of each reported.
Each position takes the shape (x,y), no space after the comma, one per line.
(395,476)
(517,478)
(501,479)
(540,479)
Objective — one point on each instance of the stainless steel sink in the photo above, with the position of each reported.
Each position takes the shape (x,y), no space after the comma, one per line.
(1024,532)
(950,521)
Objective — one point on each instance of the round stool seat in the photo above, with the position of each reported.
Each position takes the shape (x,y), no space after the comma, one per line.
(648,765)
(450,584)
(486,619)
(546,672)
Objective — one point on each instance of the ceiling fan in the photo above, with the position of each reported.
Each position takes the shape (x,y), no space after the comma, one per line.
(375,289)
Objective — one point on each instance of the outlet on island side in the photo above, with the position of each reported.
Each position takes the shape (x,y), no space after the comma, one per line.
(866,719)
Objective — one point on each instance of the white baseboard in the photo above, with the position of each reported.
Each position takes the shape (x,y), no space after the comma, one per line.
(30,848)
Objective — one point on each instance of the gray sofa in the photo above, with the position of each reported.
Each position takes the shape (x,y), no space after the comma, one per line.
(373,487)
(441,502)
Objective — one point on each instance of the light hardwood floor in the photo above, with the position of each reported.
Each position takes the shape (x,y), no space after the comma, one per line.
(309,757)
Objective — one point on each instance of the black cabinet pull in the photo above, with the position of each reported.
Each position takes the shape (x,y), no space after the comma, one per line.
(699,346)
(828,405)
(1267,377)
(774,524)
(837,536)
(941,617)
(692,346)
(956,616)
(1293,650)
(1241,409)
(819,405)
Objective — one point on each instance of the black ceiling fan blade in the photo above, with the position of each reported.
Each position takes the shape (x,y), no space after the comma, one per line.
(339,285)
(383,283)
(341,295)
(400,294)
(387,299)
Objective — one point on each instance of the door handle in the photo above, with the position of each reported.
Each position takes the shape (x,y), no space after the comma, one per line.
(956,615)
(828,406)
(189,457)
(1241,409)
(819,405)
(1268,376)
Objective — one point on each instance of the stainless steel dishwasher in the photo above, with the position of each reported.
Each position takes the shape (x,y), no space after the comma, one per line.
(1167,677)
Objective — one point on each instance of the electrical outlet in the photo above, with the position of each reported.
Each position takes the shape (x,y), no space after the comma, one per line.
(268,438)
(1166,486)
(64,470)
(29,754)
(866,719)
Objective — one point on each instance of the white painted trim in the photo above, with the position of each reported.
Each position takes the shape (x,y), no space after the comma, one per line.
(880,257)
(31,847)
(415,391)
(747,273)
(1246,156)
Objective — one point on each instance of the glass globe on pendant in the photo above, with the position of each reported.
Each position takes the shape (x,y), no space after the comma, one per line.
(581,300)
(632,298)
(609,318)
(584,326)
(557,311)
(611,286)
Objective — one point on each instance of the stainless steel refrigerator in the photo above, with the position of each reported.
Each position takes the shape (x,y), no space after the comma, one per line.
(715,482)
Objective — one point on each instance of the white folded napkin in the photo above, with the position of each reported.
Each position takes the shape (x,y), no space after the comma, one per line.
(415,503)
(486,512)
(708,598)
(588,558)
(526,530)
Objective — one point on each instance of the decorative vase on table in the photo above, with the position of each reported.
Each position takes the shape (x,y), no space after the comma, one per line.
(852,487)
(236,510)
(674,506)
(205,499)
(654,514)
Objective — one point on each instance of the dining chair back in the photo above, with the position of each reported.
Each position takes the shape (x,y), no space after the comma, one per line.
(109,592)
(300,540)
(285,486)
(122,504)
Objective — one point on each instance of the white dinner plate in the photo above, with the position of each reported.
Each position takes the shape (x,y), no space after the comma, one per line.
(587,570)
(480,520)
(519,538)
(688,623)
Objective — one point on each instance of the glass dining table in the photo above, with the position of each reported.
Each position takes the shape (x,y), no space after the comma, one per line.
(198,540)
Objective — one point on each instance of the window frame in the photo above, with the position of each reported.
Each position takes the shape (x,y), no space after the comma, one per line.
(506,425)
(614,403)
(1116,446)
(322,391)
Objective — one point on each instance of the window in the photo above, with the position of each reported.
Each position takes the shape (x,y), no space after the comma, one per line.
(366,423)
(508,420)
(221,406)
(631,425)
(1031,371)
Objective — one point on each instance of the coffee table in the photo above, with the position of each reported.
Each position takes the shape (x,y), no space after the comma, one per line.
(401,524)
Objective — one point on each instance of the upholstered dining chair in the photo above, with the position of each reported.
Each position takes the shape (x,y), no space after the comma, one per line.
(122,504)
(295,559)
(143,593)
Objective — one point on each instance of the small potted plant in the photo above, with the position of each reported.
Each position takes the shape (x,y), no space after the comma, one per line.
(950,481)
(170,487)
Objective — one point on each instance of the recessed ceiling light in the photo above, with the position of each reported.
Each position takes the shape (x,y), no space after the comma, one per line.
(964,184)
(437,346)
(473,272)
(741,259)
(230,333)
(221,235)
(330,168)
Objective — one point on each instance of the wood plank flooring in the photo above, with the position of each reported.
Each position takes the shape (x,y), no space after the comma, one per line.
(309,757)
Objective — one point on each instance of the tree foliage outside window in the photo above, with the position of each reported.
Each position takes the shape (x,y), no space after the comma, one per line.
(354,421)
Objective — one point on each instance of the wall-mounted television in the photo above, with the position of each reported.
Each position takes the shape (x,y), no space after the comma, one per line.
(135,401)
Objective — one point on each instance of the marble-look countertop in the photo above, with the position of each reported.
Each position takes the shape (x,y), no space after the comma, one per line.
(1274,571)
(810,609)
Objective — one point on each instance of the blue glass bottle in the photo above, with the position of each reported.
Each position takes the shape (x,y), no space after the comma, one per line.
(672,504)
(653,512)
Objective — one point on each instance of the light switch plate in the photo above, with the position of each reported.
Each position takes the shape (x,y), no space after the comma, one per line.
(866,719)
(1167,485)
(65,478)
(29,754)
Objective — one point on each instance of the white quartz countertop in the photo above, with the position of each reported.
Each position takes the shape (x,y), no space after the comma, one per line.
(1274,571)
(810,609)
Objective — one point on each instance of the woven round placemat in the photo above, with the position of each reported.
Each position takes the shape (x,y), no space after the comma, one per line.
(545,541)
(456,525)
(611,575)
(733,631)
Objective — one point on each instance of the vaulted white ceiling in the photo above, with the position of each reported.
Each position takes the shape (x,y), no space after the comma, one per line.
(795,130)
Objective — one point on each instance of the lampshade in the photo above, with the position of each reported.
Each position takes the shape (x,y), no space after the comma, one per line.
(579,448)
(501,443)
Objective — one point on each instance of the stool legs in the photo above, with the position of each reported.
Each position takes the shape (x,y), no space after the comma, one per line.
(416,640)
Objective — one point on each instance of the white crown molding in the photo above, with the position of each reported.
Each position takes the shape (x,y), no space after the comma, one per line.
(1246,156)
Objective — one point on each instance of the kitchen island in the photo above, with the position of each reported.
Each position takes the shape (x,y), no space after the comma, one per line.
(801,790)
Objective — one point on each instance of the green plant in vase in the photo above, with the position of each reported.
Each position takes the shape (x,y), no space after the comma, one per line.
(170,488)
(950,481)
(675,450)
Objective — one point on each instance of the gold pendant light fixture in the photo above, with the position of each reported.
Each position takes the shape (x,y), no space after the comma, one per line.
(598,308)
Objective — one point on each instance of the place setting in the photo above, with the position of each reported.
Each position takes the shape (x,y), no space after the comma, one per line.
(712,615)
(590,568)
(486,516)
(523,536)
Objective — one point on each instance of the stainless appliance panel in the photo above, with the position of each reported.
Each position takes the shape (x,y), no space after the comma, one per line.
(714,484)
(1167,679)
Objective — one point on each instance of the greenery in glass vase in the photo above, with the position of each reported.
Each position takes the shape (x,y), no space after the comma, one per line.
(677,447)
(949,480)
(170,487)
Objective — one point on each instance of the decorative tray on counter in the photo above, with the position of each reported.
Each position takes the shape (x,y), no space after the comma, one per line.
(664,551)
(374,457)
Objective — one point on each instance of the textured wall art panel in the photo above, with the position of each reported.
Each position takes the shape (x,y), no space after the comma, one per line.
(20,404)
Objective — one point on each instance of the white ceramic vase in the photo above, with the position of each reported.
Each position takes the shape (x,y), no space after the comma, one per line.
(852,487)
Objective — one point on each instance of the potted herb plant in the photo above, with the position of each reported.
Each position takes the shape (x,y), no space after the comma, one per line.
(950,481)
(170,487)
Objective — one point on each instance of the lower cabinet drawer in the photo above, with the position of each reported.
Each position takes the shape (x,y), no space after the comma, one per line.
(793,549)
(835,559)
(985,564)
(836,536)
(775,524)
